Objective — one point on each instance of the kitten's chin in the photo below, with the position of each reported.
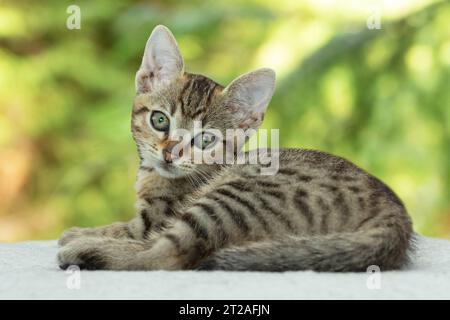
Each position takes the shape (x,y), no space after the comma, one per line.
(169,171)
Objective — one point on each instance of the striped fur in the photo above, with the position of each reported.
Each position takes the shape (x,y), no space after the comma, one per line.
(286,224)
(319,211)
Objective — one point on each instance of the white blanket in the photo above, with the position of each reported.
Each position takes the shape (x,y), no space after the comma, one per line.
(29,270)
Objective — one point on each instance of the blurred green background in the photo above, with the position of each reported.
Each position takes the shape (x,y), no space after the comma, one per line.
(380,98)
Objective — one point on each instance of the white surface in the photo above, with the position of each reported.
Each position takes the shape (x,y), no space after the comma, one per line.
(29,271)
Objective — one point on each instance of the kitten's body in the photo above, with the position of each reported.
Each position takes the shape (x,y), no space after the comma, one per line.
(318,212)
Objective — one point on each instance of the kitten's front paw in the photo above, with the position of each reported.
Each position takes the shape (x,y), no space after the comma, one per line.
(82,254)
(94,253)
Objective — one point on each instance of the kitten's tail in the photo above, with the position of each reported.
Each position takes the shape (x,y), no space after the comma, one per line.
(344,252)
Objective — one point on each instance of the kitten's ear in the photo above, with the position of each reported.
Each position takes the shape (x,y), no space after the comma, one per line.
(248,97)
(162,61)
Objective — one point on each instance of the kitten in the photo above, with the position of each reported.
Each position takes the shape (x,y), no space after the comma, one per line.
(317,212)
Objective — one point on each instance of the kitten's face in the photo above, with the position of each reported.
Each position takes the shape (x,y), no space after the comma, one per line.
(161,118)
(178,117)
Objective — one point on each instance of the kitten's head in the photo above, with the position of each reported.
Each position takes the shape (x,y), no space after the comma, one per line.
(171,105)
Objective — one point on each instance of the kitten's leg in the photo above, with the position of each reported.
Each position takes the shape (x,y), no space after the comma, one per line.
(174,249)
(157,200)
(152,214)
(177,247)
(94,253)
(217,219)
(117,230)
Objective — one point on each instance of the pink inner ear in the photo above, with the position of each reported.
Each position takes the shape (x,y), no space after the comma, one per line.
(151,77)
(162,61)
(251,93)
(144,81)
(261,100)
(251,121)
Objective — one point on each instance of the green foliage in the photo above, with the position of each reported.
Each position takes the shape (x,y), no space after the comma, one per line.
(377,97)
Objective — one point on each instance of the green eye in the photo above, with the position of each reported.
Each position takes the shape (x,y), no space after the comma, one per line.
(159,121)
(204,140)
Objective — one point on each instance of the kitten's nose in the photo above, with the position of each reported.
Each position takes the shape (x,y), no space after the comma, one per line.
(168,154)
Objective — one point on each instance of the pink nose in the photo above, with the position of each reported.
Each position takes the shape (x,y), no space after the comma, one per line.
(168,154)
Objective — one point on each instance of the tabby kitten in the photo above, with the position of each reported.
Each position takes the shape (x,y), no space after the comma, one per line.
(318,212)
